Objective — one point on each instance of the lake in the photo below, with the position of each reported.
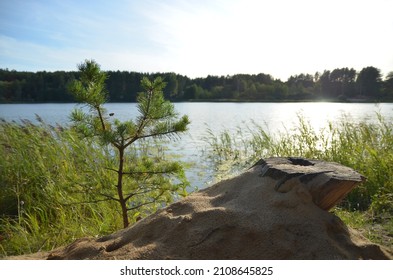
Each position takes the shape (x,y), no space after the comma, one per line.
(217,117)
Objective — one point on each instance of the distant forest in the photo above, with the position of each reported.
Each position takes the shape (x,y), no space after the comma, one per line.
(342,84)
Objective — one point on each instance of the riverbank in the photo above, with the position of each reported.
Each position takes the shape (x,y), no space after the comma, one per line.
(46,167)
(231,100)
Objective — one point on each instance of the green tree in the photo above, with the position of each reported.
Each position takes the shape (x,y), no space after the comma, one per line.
(388,85)
(369,81)
(301,86)
(141,178)
(171,89)
(343,81)
(192,92)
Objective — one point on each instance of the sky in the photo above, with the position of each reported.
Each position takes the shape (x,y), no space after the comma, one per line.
(197,38)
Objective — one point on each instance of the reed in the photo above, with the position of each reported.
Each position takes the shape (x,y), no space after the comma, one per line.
(42,172)
(54,186)
(366,146)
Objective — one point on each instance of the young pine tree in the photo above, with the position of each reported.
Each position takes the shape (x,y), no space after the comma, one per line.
(140,178)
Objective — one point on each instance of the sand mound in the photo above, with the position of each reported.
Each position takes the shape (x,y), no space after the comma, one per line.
(275,210)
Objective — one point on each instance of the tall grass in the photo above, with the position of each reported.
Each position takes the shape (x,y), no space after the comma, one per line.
(44,174)
(364,146)
(56,186)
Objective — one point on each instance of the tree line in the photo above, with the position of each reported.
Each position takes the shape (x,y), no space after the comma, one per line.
(341,84)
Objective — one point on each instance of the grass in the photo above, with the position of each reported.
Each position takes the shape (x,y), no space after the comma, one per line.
(49,181)
(364,146)
(377,228)
(44,172)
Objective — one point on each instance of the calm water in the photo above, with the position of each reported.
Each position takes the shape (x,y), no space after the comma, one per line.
(216,116)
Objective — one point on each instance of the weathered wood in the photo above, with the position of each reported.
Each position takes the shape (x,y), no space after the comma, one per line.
(327,182)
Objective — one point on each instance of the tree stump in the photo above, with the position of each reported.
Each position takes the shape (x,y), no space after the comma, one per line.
(327,182)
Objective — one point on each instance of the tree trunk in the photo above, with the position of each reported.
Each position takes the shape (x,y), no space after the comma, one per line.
(122,201)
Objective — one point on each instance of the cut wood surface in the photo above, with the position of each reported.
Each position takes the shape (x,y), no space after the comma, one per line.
(327,182)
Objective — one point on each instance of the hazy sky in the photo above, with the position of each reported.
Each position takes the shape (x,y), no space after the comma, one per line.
(198,37)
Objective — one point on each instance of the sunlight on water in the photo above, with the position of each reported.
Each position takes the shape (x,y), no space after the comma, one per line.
(217,117)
